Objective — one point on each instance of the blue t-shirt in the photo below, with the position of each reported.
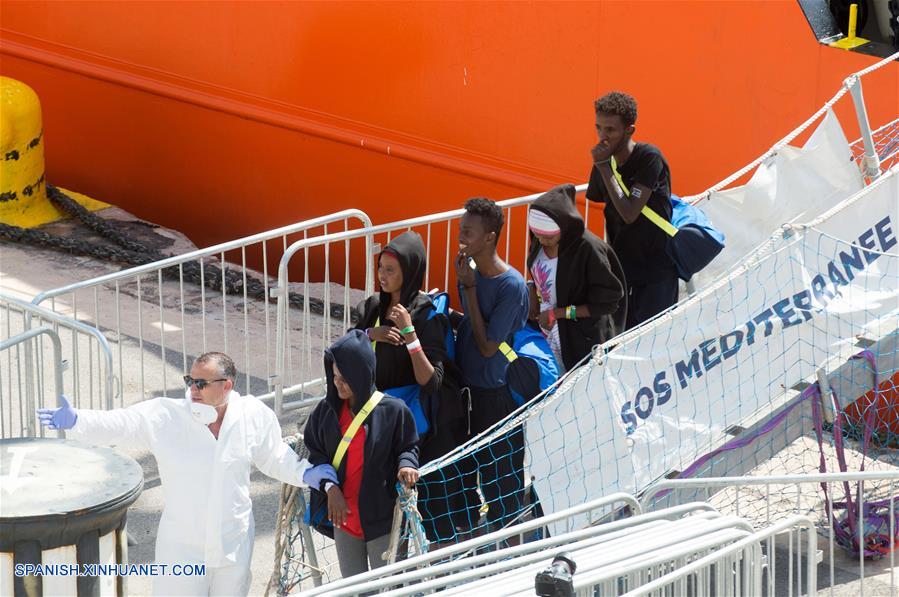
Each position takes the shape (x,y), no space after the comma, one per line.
(504,306)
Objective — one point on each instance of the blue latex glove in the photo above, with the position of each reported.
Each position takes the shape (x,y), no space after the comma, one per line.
(315,476)
(63,417)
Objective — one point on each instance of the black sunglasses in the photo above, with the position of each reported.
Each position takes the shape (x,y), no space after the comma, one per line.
(200,383)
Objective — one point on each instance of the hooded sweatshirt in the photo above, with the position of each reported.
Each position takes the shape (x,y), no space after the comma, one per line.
(588,273)
(391,442)
(439,397)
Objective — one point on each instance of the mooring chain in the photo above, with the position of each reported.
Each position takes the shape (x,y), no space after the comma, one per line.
(134,253)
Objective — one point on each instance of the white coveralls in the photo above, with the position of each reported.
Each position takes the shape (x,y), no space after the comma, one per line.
(208,516)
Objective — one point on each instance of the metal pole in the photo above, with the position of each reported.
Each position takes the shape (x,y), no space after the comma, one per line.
(29,386)
(870,161)
(280,323)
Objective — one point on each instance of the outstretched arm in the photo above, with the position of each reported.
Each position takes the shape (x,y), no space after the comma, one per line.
(274,458)
(122,426)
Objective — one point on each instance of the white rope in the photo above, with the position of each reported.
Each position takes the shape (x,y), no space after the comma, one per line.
(394,545)
(406,502)
(877,65)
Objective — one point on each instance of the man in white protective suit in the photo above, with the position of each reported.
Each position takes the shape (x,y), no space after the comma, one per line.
(204,445)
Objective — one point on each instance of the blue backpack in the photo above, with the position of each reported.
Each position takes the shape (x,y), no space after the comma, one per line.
(695,241)
(532,366)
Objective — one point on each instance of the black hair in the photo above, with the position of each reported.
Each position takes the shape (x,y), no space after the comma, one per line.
(491,213)
(620,104)
(223,361)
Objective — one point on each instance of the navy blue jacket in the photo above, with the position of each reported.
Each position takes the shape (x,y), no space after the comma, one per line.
(391,441)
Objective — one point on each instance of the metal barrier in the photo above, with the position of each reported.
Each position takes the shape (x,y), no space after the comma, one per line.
(160,314)
(736,569)
(624,550)
(28,337)
(764,508)
(472,552)
(690,549)
(630,550)
(437,231)
(92,386)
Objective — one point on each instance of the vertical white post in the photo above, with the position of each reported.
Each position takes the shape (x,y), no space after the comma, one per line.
(369,264)
(870,161)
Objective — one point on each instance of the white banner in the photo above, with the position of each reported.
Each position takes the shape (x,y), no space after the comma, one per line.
(663,398)
(795,185)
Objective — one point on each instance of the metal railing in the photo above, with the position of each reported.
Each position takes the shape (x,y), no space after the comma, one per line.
(739,567)
(630,549)
(26,411)
(25,361)
(162,313)
(883,483)
(626,550)
(437,232)
(470,553)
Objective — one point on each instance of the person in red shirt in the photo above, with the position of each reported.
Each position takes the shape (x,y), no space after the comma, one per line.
(382,451)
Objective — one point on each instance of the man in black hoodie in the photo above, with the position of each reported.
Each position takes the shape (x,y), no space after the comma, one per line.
(578,279)
(383,450)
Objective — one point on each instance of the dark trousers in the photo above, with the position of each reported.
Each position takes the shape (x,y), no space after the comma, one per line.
(500,464)
(440,494)
(644,301)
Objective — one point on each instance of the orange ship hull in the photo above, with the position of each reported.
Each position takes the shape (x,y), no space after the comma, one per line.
(226,119)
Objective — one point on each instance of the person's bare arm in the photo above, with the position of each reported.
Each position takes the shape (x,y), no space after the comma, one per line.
(628,205)
(465,276)
(421,366)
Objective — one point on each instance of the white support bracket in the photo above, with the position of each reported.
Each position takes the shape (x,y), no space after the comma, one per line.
(827,407)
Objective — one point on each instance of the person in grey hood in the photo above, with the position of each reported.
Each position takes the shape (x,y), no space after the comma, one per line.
(578,296)
(383,450)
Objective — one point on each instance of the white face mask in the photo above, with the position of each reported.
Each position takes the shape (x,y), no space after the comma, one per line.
(203,413)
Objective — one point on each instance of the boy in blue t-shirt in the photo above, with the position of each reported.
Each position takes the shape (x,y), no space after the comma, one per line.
(495,302)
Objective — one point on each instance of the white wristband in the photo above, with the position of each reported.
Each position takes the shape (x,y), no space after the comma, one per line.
(414,345)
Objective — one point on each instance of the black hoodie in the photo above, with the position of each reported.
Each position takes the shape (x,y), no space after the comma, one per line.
(588,273)
(440,395)
(390,438)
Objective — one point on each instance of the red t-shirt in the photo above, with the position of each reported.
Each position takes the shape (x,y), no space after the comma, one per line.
(355,458)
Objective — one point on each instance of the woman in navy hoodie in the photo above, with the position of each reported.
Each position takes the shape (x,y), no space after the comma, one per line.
(383,450)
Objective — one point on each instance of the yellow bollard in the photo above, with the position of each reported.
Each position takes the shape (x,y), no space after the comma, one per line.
(23,189)
(851,41)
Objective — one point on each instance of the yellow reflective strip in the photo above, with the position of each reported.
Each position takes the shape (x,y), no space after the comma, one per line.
(377,324)
(666,226)
(618,176)
(647,211)
(508,352)
(353,428)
